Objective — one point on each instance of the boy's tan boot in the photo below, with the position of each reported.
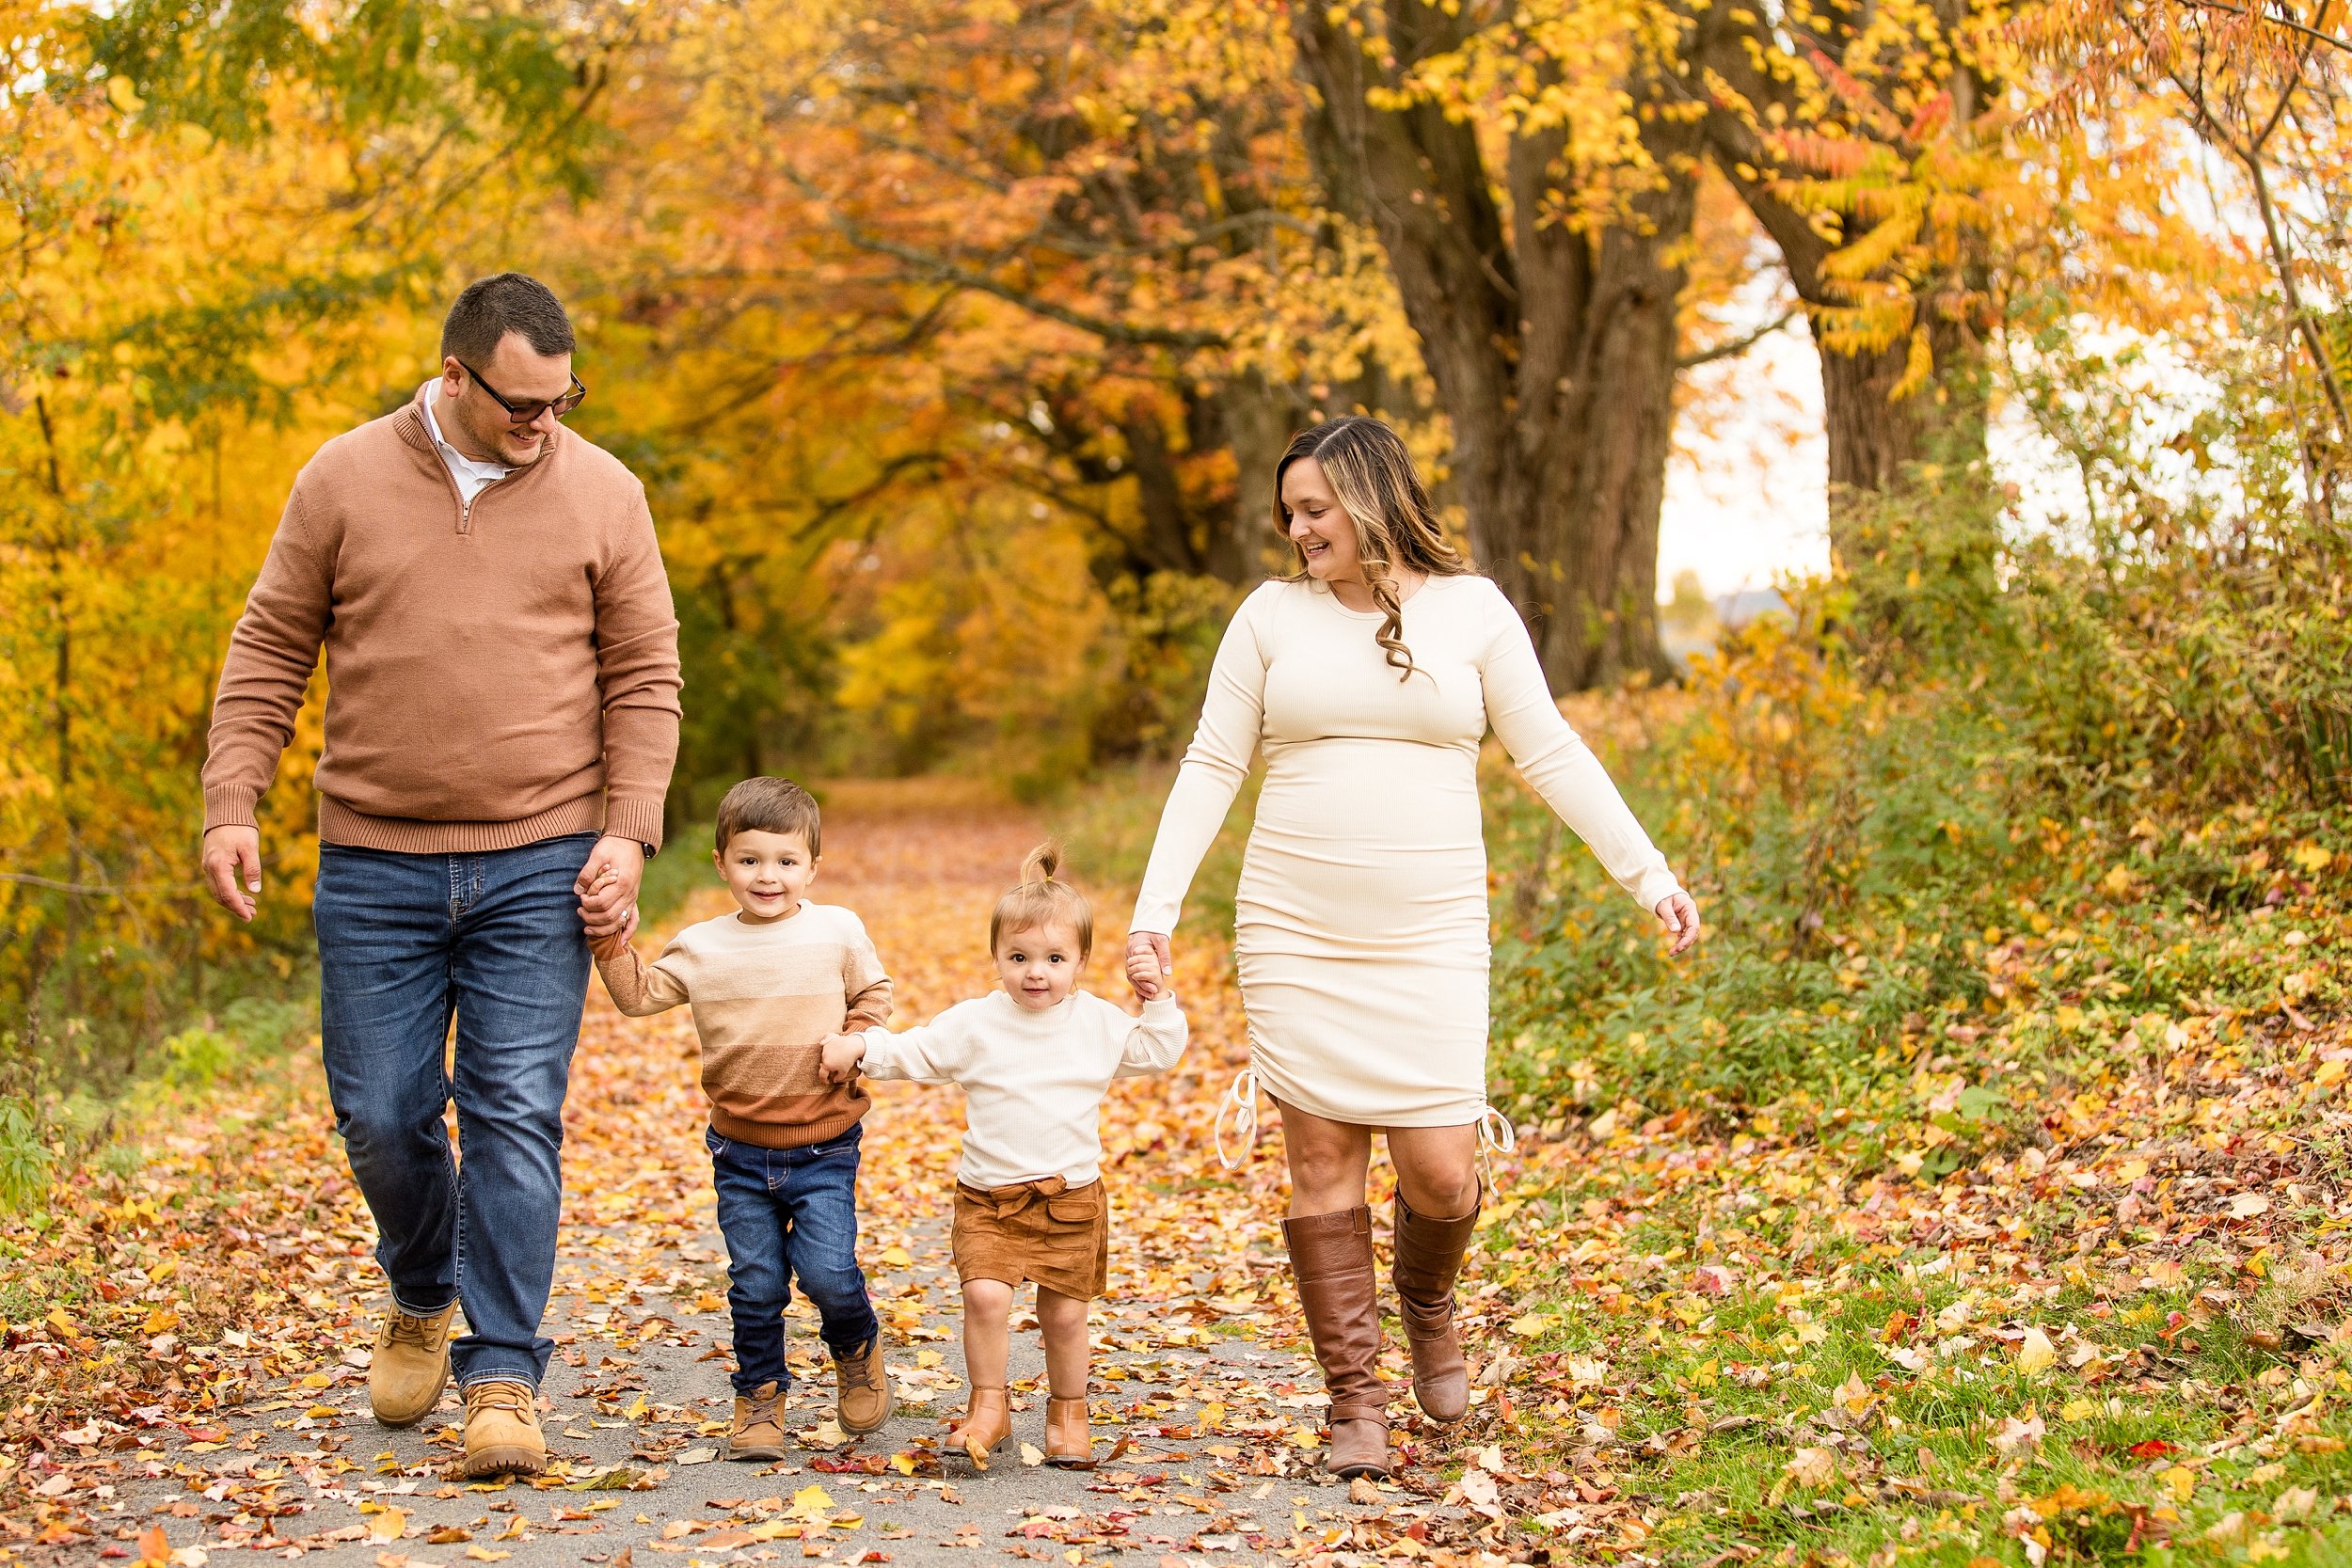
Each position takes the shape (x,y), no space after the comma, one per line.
(1332,1255)
(411,1365)
(758,1429)
(987,1423)
(1428,1256)
(1068,1443)
(503,1429)
(862,1388)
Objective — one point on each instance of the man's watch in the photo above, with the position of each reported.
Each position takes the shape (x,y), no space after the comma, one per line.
(650,849)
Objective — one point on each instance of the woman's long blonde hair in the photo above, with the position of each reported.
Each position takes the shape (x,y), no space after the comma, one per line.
(1373,475)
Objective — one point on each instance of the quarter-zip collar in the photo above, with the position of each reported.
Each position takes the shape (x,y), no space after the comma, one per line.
(409,423)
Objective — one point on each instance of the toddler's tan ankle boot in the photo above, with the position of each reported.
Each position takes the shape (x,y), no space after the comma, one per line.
(986,1425)
(1069,1444)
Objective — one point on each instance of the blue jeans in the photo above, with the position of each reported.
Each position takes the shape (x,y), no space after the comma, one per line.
(787,1214)
(405,943)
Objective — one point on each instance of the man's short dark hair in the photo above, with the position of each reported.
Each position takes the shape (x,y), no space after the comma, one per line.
(490,307)
(767,805)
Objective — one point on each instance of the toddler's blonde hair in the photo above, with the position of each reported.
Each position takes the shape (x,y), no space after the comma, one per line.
(1040,899)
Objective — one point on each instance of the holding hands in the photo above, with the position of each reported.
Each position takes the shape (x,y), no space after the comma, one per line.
(843,1053)
(1149,969)
(612,941)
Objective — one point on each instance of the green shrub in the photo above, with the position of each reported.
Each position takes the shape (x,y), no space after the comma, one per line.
(25,1159)
(1964,742)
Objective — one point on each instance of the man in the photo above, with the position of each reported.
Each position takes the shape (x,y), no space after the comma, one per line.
(501,718)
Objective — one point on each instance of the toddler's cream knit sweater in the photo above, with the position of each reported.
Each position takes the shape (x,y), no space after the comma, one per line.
(1033,1083)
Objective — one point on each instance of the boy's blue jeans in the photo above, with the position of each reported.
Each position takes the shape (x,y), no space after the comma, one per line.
(405,943)
(787,1214)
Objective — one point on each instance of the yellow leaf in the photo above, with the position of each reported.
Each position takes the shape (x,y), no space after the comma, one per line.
(2181,1481)
(903,1463)
(2331,1072)
(1527,1325)
(388,1525)
(896,1257)
(485,1554)
(2035,1353)
(1031,1454)
(637,1408)
(810,1502)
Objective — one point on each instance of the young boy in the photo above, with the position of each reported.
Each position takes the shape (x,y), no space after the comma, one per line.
(768,984)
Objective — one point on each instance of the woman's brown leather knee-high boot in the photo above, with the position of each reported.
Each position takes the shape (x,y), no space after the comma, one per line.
(1332,1255)
(1428,1256)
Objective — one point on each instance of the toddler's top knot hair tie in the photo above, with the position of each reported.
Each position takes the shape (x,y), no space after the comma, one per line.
(1040,898)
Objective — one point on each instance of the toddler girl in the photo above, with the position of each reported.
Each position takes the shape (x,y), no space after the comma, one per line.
(1034,1060)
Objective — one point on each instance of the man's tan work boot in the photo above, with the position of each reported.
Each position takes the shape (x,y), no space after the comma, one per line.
(863,1398)
(411,1365)
(758,1430)
(503,1429)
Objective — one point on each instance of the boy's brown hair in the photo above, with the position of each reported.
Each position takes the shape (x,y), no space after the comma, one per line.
(766,805)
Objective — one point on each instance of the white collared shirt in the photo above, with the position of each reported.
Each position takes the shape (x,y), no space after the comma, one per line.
(473,475)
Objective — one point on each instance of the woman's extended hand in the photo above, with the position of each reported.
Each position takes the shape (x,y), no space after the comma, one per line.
(1146,951)
(1682,918)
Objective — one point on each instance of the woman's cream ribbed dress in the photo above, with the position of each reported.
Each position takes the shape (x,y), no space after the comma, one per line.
(1360,921)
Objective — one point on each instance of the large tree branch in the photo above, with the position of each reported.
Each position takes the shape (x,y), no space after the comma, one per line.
(939,269)
(1733,348)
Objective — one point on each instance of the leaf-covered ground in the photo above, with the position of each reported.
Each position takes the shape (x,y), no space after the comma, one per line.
(2097,1320)
(187,1335)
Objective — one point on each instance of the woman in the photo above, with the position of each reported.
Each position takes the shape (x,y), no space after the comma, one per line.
(1361,922)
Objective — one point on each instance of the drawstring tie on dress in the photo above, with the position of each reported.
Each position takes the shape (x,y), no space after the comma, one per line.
(1241,1103)
(1495,1135)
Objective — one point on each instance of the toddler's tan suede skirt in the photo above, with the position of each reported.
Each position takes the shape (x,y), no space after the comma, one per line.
(1058,1235)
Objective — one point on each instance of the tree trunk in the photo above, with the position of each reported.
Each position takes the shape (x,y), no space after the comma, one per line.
(1874,435)
(1553,350)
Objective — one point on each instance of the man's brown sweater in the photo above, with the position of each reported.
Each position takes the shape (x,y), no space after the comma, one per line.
(498,673)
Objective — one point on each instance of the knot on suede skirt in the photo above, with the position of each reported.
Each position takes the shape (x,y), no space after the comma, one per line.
(1046,1231)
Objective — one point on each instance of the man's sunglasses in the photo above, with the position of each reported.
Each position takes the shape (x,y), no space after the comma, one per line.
(523,413)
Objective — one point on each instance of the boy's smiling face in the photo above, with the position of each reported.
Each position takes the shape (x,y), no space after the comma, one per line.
(1039,964)
(768,873)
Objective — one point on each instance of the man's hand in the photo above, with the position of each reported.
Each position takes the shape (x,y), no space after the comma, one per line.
(607,886)
(1148,970)
(842,1055)
(1682,918)
(234,856)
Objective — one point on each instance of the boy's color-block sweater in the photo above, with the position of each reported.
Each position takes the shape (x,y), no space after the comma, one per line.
(764,996)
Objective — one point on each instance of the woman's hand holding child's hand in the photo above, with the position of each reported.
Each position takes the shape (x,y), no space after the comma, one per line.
(1145,974)
(842,1055)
